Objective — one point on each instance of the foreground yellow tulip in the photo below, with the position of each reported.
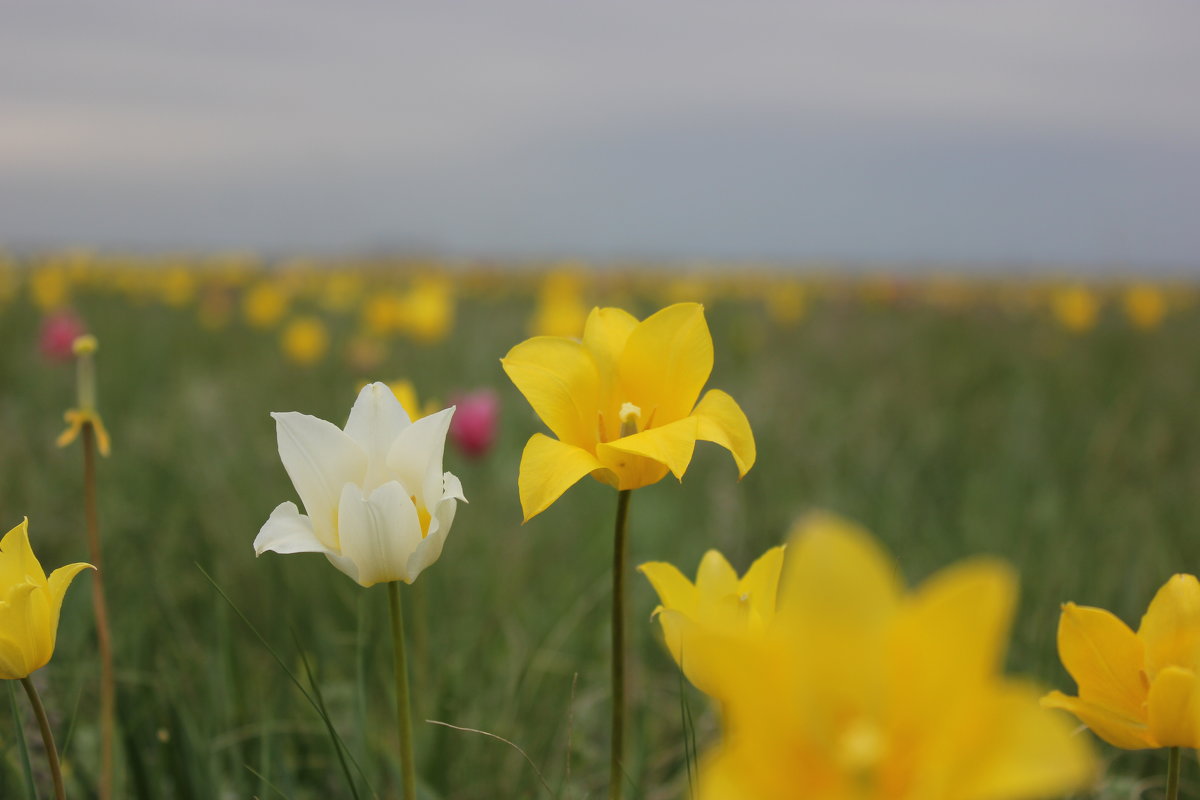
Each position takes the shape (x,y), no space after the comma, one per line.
(860,691)
(622,403)
(1136,690)
(718,599)
(29,606)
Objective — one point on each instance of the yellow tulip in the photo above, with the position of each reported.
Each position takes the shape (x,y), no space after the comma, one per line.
(622,403)
(264,305)
(1076,308)
(305,340)
(30,605)
(1136,690)
(717,599)
(859,690)
(1145,306)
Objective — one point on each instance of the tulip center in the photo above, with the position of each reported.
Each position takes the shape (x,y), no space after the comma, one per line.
(630,416)
(861,745)
(423,517)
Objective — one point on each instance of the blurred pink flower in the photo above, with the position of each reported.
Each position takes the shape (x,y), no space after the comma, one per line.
(473,428)
(59,331)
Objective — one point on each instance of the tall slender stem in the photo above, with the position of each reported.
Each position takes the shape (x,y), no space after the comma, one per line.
(108,683)
(620,535)
(1173,774)
(403,713)
(39,711)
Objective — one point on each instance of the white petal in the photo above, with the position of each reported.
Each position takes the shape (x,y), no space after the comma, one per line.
(416,456)
(320,459)
(430,548)
(287,531)
(379,532)
(344,565)
(452,487)
(375,421)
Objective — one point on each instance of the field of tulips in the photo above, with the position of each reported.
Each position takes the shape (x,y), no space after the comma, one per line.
(1011,445)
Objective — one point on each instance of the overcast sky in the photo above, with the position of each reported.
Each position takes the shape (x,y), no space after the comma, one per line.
(1009,131)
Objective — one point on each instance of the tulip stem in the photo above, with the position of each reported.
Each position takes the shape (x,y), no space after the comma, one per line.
(1173,774)
(39,711)
(403,713)
(108,685)
(616,773)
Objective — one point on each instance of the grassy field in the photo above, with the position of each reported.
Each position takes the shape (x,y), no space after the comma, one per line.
(948,429)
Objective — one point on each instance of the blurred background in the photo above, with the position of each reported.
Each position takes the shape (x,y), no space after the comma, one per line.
(973,134)
(947,252)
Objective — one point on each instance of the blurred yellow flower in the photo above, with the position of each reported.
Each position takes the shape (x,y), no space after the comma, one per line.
(718,599)
(49,287)
(560,308)
(305,340)
(1136,690)
(1145,306)
(264,305)
(426,311)
(178,286)
(622,403)
(786,302)
(861,691)
(1076,308)
(381,313)
(29,606)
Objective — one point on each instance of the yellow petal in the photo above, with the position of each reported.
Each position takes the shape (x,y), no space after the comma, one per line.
(761,583)
(1119,731)
(24,622)
(57,585)
(836,576)
(1170,629)
(1104,657)
(606,332)
(950,637)
(723,422)
(13,663)
(548,468)
(715,577)
(17,561)
(666,362)
(671,445)
(674,590)
(1026,752)
(74,422)
(559,379)
(1174,708)
(103,442)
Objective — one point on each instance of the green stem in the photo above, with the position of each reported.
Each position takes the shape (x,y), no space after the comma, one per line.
(108,683)
(39,711)
(620,536)
(403,714)
(1173,774)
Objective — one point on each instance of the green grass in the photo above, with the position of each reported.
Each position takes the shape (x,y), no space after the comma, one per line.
(947,433)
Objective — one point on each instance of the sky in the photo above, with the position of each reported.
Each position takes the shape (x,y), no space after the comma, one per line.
(1005,132)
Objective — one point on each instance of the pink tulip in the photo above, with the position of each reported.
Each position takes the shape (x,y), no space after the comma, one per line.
(59,331)
(473,428)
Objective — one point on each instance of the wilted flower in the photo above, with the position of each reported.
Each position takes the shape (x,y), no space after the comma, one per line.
(58,333)
(474,426)
(29,605)
(622,403)
(860,691)
(718,599)
(377,503)
(1136,690)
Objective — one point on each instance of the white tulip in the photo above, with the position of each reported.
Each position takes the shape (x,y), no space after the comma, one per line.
(378,504)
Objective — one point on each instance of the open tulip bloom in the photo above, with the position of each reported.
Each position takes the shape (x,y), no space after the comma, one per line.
(377,502)
(859,690)
(1136,690)
(623,403)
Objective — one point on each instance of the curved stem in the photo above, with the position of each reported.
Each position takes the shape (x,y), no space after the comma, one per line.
(403,714)
(620,535)
(1173,774)
(108,684)
(39,711)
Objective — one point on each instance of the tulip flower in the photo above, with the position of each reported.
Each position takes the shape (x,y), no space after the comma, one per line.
(623,403)
(377,503)
(858,690)
(1077,308)
(305,340)
(58,333)
(717,599)
(30,606)
(1145,306)
(1136,690)
(473,428)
